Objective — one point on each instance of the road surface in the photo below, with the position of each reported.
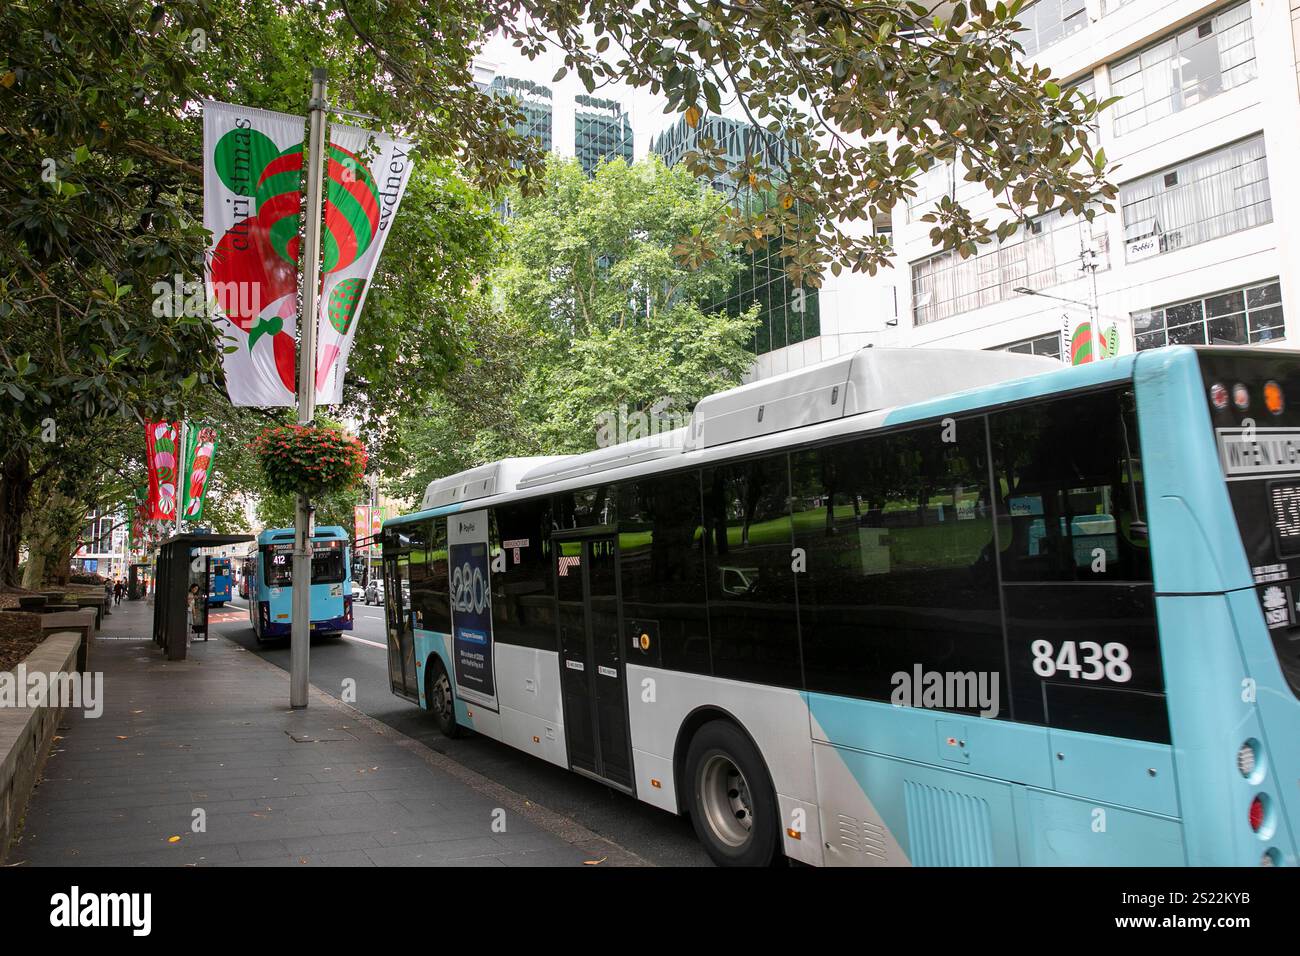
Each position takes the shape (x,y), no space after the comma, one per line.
(656,836)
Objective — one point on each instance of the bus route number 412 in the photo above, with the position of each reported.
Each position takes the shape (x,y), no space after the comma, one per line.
(1100,661)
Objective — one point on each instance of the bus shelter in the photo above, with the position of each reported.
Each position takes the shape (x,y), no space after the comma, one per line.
(173,576)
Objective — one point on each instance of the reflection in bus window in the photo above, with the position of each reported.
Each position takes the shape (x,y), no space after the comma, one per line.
(898,532)
(1067,508)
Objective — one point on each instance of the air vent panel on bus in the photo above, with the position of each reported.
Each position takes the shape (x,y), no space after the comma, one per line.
(865,381)
(484,481)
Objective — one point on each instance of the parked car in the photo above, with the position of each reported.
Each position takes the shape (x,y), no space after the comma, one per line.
(374,593)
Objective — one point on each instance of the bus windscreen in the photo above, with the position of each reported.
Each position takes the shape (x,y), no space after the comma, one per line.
(326,565)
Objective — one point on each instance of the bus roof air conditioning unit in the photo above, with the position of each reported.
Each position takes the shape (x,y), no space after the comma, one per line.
(660,445)
(484,481)
(868,380)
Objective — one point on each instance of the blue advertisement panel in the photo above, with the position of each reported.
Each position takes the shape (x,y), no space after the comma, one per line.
(471,606)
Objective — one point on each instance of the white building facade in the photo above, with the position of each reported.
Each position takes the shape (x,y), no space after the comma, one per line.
(1199,249)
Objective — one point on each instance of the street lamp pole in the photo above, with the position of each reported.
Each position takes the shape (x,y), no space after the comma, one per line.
(300,627)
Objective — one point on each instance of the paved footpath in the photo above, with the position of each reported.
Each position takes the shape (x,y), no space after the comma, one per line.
(212,738)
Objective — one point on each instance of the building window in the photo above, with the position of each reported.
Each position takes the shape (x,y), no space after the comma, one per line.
(1194,64)
(1247,315)
(1046,345)
(1201,199)
(602,132)
(1045,253)
(1049,21)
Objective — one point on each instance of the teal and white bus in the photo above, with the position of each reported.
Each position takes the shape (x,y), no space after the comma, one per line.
(269,571)
(907,607)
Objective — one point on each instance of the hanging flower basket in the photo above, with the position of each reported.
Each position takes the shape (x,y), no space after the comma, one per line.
(309,459)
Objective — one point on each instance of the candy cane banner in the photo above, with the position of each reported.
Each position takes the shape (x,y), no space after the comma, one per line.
(162,440)
(252,164)
(366,178)
(200,449)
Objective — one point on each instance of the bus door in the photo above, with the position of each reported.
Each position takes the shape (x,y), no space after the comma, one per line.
(401,636)
(592,658)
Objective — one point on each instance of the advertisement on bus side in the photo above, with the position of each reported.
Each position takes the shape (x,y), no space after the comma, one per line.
(471,607)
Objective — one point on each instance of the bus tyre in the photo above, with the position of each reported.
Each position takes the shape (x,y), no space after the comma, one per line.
(441,699)
(732,805)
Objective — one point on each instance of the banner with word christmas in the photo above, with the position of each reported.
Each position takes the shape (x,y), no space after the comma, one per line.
(200,449)
(252,191)
(162,458)
(252,162)
(366,176)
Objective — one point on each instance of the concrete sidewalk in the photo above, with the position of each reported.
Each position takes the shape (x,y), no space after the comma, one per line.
(212,739)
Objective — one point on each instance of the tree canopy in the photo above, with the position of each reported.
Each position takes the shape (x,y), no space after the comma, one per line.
(588,319)
(100,185)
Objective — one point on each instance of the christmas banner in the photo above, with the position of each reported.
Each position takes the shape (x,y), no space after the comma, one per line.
(252,194)
(252,165)
(162,451)
(366,176)
(200,449)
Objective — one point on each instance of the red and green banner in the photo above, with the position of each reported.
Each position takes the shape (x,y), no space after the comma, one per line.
(200,449)
(162,458)
(252,163)
(1087,345)
(361,200)
(252,192)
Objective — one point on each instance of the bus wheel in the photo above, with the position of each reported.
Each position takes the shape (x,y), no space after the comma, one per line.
(732,805)
(441,701)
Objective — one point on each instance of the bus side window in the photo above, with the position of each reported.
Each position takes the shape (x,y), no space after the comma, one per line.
(750,572)
(898,534)
(1084,658)
(662,574)
(523,586)
(429,597)
(1065,508)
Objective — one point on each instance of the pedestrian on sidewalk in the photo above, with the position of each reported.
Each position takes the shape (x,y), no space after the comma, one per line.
(118,588)
(197,614)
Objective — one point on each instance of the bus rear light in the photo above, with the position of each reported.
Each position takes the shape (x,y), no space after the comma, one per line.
(1241,396)
(1218,396)
(1257,812)
(1246,759)
(1274,399)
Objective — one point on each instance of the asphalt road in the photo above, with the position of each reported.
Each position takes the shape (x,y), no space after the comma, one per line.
(652,834)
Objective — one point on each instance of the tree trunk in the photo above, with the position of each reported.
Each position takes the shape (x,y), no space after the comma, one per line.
(15,489)
(51,538)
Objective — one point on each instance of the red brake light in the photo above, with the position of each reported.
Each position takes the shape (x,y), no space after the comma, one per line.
(1257,813)
(1241,396)
(1218,396)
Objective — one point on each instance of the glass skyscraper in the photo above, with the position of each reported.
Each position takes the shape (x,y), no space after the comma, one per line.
(790,313)
(601,132)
